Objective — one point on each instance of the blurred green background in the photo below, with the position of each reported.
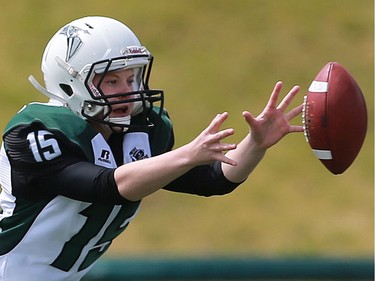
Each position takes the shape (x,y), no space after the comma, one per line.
(226,55)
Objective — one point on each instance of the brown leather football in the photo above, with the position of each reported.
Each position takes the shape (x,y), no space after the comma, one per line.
(335,117)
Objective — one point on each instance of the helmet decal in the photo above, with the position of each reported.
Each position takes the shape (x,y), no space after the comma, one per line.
(74,41)
(131,50)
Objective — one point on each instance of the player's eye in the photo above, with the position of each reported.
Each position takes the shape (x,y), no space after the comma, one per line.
(130,81)
(111,82)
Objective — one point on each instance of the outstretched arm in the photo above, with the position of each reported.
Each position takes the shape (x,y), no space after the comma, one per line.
(266,130)
(138,179)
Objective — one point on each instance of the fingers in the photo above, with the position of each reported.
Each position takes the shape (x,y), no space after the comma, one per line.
(228,161)
(288,98)
(214,128)
(217,122)
(213,137)
(220,156)
(295,128)
(294,112)
(272,102)
(219,136)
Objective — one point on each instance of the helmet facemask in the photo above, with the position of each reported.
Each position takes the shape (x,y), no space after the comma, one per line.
(141,100)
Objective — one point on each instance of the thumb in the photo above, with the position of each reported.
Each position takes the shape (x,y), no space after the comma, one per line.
(249,118)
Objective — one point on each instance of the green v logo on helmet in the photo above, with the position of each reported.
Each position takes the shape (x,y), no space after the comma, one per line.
(74,42)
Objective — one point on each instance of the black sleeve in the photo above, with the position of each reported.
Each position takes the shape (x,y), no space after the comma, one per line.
(204,180)
(67,173)
(83,181)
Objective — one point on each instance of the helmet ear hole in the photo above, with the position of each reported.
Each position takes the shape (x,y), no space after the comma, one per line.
(67,89)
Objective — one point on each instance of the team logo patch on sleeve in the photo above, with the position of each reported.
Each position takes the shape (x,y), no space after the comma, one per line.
(136,147)
(138,154)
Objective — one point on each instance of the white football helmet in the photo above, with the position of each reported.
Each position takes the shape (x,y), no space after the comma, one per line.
(92,46)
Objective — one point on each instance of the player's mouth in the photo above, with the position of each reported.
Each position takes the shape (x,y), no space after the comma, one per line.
(120,111)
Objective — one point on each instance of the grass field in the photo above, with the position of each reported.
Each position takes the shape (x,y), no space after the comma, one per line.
(225,55)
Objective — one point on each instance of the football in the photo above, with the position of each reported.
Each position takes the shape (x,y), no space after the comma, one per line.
(335,117)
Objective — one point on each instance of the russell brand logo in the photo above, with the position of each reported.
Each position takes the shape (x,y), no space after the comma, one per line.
(105,156)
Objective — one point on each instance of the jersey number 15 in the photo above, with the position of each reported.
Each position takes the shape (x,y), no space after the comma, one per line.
(43,145)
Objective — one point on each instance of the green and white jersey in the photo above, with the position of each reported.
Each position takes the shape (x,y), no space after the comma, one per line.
(46,236)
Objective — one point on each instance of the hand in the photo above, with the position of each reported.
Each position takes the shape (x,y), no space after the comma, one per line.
(207,147)
(273,123)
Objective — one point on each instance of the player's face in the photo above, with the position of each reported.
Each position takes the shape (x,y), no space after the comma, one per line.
(118,82)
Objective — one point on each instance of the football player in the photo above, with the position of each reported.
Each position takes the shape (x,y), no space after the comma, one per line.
(75,169)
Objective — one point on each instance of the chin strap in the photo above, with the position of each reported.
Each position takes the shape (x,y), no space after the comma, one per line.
(121,121)
(44,91)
